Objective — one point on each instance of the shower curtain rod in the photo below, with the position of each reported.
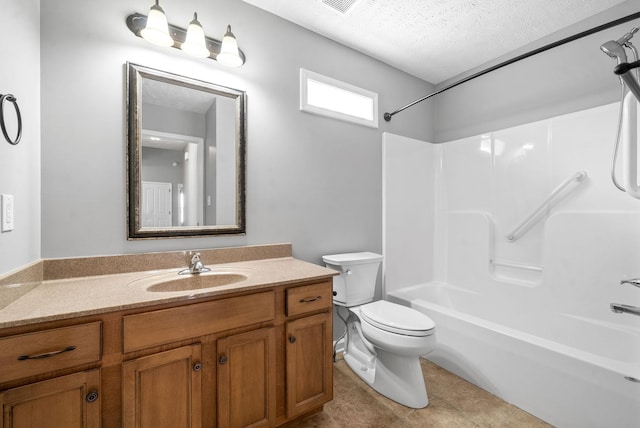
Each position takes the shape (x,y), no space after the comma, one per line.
(388,116)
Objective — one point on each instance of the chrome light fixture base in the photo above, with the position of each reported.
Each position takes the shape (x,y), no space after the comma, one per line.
(137,21)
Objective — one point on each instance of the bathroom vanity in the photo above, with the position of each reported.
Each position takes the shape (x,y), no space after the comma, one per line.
(256,351)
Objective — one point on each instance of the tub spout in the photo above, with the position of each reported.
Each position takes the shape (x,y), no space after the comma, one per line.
(619,309)
(635,282)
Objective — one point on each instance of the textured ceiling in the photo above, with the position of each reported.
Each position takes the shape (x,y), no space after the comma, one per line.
(176,97)
(435,39)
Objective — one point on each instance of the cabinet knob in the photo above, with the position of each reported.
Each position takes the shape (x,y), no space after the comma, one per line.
(197,367)
(91,396)
(292,339)
(222,359)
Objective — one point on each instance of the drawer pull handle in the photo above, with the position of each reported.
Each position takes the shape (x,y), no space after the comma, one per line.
(292,339)
(223,359)
(46,354)
(312,299)
(91,396)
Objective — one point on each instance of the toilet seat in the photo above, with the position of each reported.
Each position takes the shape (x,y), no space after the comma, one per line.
(397,319)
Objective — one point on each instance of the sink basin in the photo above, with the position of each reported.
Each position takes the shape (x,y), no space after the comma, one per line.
(197,282)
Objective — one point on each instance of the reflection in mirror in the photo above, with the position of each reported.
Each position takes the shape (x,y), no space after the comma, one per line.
(186,156)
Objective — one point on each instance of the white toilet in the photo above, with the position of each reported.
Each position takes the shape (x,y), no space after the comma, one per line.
(384,340)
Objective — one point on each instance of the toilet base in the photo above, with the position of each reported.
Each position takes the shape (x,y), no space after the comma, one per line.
(398,378)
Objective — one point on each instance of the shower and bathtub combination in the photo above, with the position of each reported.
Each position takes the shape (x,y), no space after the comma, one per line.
(527,259)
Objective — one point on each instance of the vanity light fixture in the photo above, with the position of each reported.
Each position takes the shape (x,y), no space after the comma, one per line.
(229,53)
(195,44)
(155,29)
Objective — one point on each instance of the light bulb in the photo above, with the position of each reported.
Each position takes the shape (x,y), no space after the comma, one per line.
(157,29)
(229,54)
(195,43)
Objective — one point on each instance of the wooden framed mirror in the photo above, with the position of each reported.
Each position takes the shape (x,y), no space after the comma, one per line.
(186,161)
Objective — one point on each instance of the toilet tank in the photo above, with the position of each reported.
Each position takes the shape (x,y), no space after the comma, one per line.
(356,283)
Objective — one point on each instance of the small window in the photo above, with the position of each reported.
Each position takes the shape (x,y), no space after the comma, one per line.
(332,98)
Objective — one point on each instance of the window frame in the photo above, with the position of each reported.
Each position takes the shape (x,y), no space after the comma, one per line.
(306,75)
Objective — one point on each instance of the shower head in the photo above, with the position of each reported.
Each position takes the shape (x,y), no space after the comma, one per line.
(615,50)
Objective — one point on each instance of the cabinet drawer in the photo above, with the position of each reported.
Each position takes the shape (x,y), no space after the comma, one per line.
(45,351)
(170,325)
(307,298)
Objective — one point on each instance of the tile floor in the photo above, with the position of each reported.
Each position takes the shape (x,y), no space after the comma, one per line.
(453,402)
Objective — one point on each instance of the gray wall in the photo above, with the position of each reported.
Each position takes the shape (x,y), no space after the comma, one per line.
(20,165)
(572,77)
(311,181)
(226,161)
(210,143)
(174,121)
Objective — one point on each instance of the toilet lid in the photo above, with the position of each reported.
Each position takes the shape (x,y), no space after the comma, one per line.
(397,318)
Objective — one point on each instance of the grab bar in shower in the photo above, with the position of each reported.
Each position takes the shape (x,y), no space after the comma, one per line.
(515,233)
(619,308)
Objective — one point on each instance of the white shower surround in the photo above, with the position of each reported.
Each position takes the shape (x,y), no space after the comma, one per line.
(544,340)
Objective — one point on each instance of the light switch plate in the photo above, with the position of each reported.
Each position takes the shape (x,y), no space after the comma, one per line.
(7,212)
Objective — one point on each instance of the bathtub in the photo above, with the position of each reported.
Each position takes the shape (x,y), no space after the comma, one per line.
(569,370)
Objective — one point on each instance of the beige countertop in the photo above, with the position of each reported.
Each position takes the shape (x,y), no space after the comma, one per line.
(34,302)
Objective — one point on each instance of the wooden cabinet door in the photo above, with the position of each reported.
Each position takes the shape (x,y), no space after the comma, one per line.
(65,402)
(163,390)
(309,374)
(247,379)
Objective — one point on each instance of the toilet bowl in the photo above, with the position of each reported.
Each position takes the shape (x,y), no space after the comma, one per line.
(384,340)
(397,328)
(386,356)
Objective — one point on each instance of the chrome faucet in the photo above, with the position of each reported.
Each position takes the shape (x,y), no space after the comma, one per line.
(195,266)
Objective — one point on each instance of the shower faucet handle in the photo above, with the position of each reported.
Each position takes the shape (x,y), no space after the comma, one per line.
(635,282)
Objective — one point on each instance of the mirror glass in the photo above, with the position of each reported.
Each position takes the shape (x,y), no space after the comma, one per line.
(186,156)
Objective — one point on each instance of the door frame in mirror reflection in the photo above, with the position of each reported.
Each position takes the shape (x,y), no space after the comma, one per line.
(177,160)
(228,161)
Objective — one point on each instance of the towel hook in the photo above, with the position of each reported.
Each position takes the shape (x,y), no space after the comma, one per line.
(14,101)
